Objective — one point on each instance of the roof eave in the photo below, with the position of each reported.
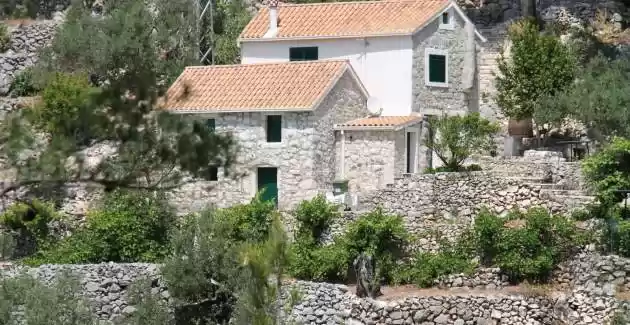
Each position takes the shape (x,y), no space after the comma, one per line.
(236,110)
(308,38)
(364,128)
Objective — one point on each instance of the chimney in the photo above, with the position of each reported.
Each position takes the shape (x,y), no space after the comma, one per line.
(273,14)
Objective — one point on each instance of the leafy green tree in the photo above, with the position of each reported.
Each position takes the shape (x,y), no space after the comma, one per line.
(600,98)
(608,171)
(123,52)
(231,17)
(539,65)
(459,137)
(260,297)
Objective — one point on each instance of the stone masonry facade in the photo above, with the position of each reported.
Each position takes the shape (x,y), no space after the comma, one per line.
(451,99)
(305,158)
(372,159)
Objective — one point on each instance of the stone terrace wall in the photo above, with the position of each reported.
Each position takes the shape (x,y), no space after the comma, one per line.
(103,285)
(26,41)
(456,195)
(540,165)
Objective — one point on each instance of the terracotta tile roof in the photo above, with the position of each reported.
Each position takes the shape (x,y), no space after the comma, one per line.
(254,87)
(338,19)
(380,122)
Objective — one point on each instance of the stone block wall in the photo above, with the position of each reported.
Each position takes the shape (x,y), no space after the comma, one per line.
(589,300)
(26,41)
(104,286)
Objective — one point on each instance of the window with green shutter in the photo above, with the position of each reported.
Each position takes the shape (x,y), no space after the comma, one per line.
(303,53)
(211,124)
(274,128)
(437,68)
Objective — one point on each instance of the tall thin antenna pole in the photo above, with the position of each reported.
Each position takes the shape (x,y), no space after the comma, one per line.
(204,8)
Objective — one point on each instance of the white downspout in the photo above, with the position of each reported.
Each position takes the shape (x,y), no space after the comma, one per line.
(342,170)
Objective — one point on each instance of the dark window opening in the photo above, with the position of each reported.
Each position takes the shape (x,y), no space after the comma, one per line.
(303,53)
(211,124)
(274,128)
(445,18)
(214,173)
(437,68)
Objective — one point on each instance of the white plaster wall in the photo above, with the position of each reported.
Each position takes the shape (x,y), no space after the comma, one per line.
(382,63)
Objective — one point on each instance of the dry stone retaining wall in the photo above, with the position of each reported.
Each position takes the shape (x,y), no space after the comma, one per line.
(103,285)
(26,41)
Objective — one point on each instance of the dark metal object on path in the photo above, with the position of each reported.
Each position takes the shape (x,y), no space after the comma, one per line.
(368,284)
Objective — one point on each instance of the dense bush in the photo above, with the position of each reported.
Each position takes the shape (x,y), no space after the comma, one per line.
(608,170)
(376,233)
(425,268)
(315,216)
(5,38)
(248,222)
(308,258)
(129,227)
(379,234)
(529,250)
(23,84)
(64,99)
(31,220)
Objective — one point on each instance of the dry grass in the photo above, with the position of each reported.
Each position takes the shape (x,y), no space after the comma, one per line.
(538,290)
(604,29)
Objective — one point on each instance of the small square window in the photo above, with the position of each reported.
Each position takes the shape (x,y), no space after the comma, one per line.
(446,19)
(211,124)
(213,173)
(303,53)
(437,68)
(274,128)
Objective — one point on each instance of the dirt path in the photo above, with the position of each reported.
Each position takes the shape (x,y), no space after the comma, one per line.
(406,291)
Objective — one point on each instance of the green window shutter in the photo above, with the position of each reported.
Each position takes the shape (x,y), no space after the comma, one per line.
(211,124)
(303,53)
(274,128)
(437,68)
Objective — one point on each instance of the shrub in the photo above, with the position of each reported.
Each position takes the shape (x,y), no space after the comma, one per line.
(64,101)
(446,169)
(376,233)
(31,220)
(425,268)
(315,216)
(459,137)
(529,251)
(249,222)
(5,38)
(608,170)
(307,258)
(130,227)
(23,84)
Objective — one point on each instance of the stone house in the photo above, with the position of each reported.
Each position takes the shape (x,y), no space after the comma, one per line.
(412,55)
(299,125)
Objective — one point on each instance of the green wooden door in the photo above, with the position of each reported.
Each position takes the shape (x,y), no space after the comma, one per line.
(268,180)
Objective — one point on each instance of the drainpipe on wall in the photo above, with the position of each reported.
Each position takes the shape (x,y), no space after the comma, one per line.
(342,170)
